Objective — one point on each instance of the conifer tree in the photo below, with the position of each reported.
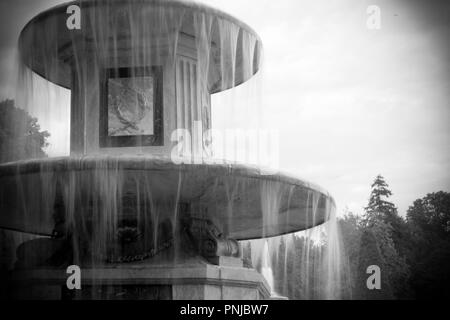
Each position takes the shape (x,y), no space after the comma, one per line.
(389,233)
(379,206)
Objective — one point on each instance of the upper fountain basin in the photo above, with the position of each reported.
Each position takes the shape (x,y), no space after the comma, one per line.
(140,32)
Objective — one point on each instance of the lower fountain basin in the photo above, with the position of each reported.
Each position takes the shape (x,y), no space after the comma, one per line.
(245,202)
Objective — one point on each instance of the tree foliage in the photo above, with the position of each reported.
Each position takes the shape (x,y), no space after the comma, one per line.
(20,134)
(413,254)
(429,220)
(378,203)
(379,207)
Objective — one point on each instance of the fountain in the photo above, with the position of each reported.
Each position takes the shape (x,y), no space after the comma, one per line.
(138,223)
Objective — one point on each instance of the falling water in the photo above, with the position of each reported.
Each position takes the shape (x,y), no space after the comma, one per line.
(266,269)
(303,265)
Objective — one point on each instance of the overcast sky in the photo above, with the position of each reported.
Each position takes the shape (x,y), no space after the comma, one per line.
(350,103)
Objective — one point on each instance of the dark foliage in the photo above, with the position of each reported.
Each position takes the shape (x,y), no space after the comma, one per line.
(20,134)
(413,254)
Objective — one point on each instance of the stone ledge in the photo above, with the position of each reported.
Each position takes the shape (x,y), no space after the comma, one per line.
(205,280)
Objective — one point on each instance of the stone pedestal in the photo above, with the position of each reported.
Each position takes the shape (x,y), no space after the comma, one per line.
(194,262)
(194,279)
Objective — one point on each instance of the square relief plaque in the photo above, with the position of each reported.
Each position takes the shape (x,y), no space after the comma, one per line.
(131,107)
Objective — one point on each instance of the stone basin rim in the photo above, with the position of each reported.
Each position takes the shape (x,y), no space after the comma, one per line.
(182,4)
(161,165)
(153,163)
(191,5)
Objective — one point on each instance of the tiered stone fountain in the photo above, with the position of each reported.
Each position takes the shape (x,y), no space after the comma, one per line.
(138,224)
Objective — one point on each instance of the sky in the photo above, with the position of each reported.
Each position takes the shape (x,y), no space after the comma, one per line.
(349,102)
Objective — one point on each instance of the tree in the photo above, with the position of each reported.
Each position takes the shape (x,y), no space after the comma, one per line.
(20,134)
(389,231)
(379,208)
(376,249)
(378,205)
(431,214)
(429,220)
